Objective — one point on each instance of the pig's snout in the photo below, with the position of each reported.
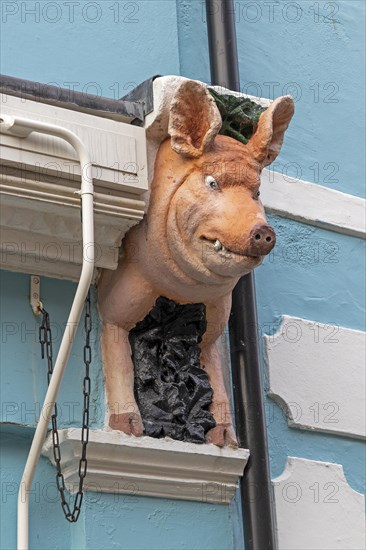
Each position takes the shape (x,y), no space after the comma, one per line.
(262,239)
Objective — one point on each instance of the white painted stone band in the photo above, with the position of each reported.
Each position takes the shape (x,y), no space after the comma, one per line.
(313,204)
(317,509)
(317,373)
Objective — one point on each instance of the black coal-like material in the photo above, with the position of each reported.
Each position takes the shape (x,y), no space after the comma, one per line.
(171,388)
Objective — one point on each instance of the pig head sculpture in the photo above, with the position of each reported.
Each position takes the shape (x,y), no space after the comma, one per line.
(205,227)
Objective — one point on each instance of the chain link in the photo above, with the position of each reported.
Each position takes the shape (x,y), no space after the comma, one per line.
(45,339)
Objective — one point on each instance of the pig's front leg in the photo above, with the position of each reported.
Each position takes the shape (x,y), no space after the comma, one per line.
(124,297)
(217,315)
(123,411)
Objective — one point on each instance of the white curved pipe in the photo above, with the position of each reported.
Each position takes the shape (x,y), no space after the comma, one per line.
(22,127)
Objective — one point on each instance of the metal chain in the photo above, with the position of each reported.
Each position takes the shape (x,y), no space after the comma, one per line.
(45,339)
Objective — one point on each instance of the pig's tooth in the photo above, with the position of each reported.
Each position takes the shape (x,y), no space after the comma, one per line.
(217,245)
(223,249)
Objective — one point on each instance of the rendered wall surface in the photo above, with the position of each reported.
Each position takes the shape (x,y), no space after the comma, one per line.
(48,528)
(107,48)
(103,48)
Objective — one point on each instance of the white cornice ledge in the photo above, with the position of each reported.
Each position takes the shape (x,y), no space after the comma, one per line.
(118,463)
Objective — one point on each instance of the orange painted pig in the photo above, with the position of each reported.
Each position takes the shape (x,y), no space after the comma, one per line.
(205,227)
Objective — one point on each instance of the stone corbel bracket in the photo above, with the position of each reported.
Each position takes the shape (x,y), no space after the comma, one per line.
(122,464)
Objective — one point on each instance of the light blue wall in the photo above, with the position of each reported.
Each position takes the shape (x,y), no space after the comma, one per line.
(137,523)
(320,60)
(325,56)
(24,374)
(193,42)
(127,43)
(48,529)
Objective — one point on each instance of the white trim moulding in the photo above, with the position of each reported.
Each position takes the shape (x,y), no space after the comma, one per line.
(317,509)
(313,204)
(317,375)
(122,464)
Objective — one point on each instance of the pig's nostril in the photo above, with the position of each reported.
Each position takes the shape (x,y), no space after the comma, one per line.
(268,239)
(257,237)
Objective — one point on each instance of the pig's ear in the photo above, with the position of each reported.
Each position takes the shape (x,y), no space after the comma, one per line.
(194,120)
(268,137)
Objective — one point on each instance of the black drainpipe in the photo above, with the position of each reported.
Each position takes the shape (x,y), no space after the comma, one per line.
(255,486)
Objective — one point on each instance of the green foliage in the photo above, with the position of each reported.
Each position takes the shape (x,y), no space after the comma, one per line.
(239,115)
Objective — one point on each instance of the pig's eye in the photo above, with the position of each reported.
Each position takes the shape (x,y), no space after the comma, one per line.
(211,183)
(257,194)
